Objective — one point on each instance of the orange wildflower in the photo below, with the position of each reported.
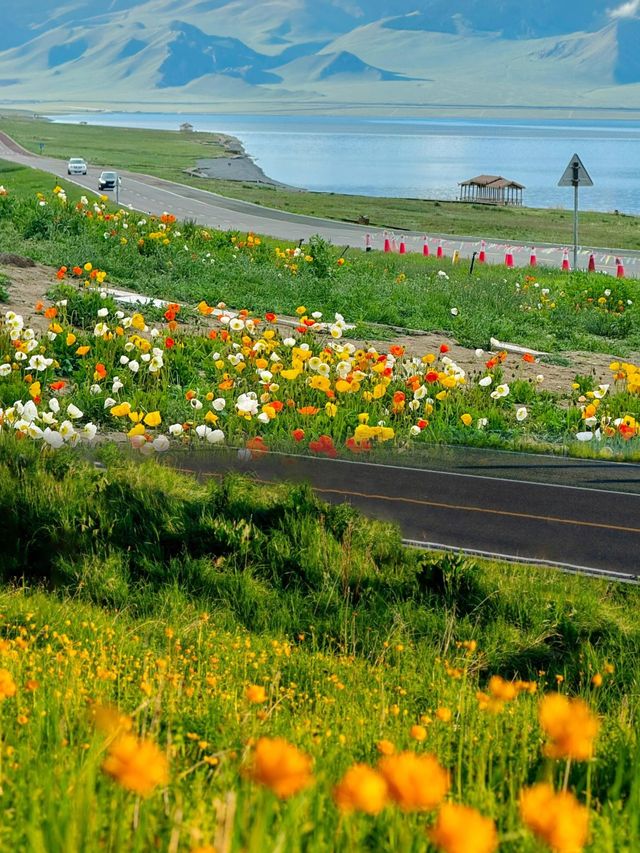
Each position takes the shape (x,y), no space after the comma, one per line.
(256,693)
(557,819)
(280,766)
(137,765)
(416,782)
(361,789)
(7,684)
(460,829)
(569,725)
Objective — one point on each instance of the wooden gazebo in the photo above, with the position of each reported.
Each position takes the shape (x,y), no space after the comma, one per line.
(491,189)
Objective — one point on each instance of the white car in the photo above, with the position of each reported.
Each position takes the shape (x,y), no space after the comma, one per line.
(76,166)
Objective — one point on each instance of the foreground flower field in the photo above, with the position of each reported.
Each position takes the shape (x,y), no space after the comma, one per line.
(267,673)
(233,667)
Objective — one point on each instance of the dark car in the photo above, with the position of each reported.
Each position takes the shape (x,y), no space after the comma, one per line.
(108,181)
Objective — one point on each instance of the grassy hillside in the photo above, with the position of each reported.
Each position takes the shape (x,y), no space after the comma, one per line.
(147,652)
(167,154)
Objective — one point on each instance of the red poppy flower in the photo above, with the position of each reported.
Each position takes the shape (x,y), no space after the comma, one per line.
(432,376)
(270,317)
(324,445)
(444,348)
(169,343)
(298,434)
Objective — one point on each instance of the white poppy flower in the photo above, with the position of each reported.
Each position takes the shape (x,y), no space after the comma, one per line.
(74,412)
(160,444)
(521,414)
(485,381)
(38,362)
(53,438)
(30,411)
(88,431)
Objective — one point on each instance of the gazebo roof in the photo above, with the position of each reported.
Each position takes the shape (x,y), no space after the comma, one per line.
(494,181)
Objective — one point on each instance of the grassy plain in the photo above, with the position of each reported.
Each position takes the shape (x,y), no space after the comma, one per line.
(166,154)
(172,601)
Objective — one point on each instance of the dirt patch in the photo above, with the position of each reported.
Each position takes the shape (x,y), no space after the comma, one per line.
(9,260)
(29,285)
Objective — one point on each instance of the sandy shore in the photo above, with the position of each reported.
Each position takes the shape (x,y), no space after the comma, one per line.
(236,166)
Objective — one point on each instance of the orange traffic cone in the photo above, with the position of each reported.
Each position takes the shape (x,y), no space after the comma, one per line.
(508,257)
(440,252)
(619,268)
(403,246)
(592,263)
(566,266)
(387,242)
(425,248)
(533,260)
(482,257)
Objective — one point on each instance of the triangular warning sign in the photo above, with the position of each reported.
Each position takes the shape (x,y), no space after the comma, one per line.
(575,174)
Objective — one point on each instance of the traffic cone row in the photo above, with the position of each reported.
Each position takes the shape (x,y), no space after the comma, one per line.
(392,246)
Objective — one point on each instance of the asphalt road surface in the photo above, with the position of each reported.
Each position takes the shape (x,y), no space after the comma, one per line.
(577,515)
(154,196)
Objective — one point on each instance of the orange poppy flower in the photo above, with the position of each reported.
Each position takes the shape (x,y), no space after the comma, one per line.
(50,313)
(308,410)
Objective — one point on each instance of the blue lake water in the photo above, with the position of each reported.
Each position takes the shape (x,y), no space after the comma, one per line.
(426,158)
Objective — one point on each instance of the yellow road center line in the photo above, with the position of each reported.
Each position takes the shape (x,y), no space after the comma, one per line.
(480,509)
(440,505)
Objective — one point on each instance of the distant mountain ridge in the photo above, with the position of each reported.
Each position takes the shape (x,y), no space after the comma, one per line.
(370,54)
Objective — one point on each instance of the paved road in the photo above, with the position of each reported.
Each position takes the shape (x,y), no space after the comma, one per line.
(508,505)
(155,195)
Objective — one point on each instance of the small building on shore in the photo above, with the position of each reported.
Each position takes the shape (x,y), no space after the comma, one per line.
(186,127)
(491,189)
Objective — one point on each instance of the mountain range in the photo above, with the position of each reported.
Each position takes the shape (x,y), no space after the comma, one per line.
(322,55)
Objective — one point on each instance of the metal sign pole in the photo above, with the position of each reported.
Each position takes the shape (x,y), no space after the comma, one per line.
(574,175)
(575,224)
